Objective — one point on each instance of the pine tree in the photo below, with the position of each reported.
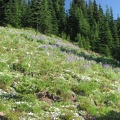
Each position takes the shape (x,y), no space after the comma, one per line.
(42,17)
(13,13)
(29,17)
(83,25)
(1,12)
(101,30)
(78,23)
(116,48)
(2,9)
(108,32)
(95,11)
(94,37)
(118,26)
(90,15)
(82,5)
(105,35)
(113,29)
(79,39)
(60,15)
(55,29)
(73,21)
(93,18)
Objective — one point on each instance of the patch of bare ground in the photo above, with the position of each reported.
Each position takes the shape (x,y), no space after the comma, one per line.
(3,116)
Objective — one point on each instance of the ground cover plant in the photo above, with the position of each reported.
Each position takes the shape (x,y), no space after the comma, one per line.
(47,78)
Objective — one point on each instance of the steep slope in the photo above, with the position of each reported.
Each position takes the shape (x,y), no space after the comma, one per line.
(47,78)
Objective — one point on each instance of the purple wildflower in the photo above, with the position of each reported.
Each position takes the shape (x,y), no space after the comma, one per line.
(72,57)
(106,66)
(88,64)
(119,88)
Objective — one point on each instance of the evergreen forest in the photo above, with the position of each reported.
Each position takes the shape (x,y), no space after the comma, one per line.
(85,23)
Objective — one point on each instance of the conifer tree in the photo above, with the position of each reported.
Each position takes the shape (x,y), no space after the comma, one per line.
(116,48)
(101,30)
(95,11)
(118,26)
(2,9)
(108,32)
(105,35)
(1,12)
(13,13)
(73,21)
(54,21)
(42,17)
(92,17)
(29,16)
(113,29)
(94,37)
(83,25)
(78,23)
(60,15)
(79,39)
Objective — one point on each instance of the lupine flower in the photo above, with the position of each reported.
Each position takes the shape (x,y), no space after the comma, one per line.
(106,66)
(119,88)
(72,57)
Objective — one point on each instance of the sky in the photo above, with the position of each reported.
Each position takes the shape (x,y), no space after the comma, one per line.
(115,4)
(67,4)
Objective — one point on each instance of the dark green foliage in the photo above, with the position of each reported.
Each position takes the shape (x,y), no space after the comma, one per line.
(106,38)
(27,17)
(42,17)
(59,10)
(54,21)
(73,21)
(116,52)
(95,11)
(2,9)
(13,13)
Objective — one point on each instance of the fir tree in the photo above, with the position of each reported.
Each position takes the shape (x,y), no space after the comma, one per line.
(26,14)
(60,15)
(116,48)
(2,9)
(95,11)
(105,35)
(13,13)
(42,17)
(101,31)
(73,21)
(54,21)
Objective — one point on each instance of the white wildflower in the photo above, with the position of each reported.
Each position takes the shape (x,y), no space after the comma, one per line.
(30,113)
(76,114)
(28,64)
(85,78)
(27,53)
(18,103)
(48,53)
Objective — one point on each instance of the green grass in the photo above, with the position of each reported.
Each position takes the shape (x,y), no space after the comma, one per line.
(47,78)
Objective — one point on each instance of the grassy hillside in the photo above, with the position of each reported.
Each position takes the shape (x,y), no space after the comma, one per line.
(47,78)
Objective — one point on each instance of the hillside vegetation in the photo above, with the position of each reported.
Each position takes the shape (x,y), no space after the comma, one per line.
(47,78)
(85,22)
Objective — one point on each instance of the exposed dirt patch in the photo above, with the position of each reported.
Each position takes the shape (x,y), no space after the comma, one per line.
(3,116)
(47,97)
